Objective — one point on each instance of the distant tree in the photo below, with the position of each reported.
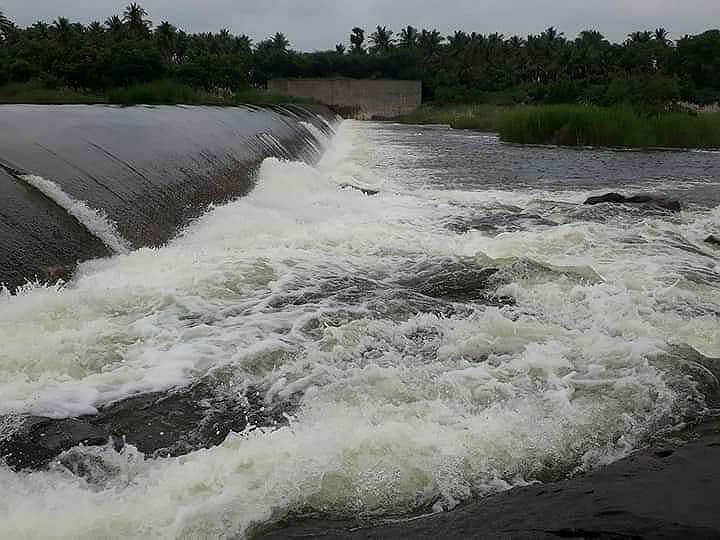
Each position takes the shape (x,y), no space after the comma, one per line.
(135,18)
(382,40)
(280,42)
(408,37)
(357,41)
(115,25)
(5,25)
(340,49)
(430,41)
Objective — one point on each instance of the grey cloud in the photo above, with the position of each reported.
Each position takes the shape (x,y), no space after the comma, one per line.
(319,24)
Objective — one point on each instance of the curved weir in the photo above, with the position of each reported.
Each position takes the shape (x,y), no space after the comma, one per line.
(102,180)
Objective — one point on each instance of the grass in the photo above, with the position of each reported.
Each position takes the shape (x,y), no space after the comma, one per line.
(37,92)
(478,117)
(575,125)
(160,92)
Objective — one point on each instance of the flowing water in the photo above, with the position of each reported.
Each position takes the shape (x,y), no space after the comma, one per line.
(471,328)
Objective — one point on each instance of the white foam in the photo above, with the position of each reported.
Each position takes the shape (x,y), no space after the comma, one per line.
(95,221)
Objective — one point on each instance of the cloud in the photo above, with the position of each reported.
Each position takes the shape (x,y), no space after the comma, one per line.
(319,24)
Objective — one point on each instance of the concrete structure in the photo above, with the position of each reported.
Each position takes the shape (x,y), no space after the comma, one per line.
(362,99)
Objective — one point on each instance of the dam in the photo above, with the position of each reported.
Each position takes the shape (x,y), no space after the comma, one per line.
(80,182)
(362,99)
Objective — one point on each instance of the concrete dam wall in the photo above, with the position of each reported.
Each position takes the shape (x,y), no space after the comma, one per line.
(80,182)
(363,99)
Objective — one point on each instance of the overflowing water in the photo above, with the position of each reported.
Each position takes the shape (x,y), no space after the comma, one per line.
(95,221)
(471,328)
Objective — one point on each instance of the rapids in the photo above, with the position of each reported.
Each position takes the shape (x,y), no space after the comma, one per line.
(469,329)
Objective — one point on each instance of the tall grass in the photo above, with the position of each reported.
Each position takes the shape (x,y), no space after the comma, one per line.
(574,125)
(478,117)
(161,92)
(38,92)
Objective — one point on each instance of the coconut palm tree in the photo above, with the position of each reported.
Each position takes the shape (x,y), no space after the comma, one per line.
(662,36)
(62,29)
(135,17)
(166,38)
(280,42)
(430,41)
(382,40)
(357,40)
(340,49)
(115,25)
(408,37)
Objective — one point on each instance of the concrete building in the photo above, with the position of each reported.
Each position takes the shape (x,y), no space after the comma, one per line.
(363,99)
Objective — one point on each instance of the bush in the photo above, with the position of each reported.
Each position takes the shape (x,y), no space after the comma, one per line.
(609,126)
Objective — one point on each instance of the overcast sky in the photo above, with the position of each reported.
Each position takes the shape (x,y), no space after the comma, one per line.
(320,24)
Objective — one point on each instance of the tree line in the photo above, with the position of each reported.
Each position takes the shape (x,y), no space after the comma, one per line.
(548,67)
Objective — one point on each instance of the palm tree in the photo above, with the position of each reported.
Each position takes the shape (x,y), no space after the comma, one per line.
(135,17)
(280,42)
(640,37)
(430,41)
(340,49)
(166,37)
(382,40)
(408,37)
(115,25)
(63,29)
(357,39)
(242,44)
(662,36)
(6,26)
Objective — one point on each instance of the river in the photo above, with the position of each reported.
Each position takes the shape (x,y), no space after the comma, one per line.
(471,328)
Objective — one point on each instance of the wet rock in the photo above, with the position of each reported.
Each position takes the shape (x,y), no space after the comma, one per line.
(365,191)
(169,423)
(651,494)
(38,440)
(650,200)
(712,239)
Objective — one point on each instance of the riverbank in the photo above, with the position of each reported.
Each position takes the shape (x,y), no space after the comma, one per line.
(662,492)
(154,93)
(576,125)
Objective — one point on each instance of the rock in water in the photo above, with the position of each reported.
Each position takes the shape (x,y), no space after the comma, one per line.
(365,191)
(651,200)
(712,239)
(39,440)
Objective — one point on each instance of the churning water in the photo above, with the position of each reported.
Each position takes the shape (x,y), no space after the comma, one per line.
(471,328)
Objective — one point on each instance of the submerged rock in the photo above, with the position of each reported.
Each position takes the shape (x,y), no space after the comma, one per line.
(650,200)
(162,424)
(712,239)
(365,191)
(37,441)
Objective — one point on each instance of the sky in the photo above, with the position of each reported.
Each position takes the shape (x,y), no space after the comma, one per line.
(320,24)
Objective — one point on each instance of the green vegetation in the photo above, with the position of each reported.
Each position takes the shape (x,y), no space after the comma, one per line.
(478,117)
(151,93)
(38,92)
(575,125)
(647,70)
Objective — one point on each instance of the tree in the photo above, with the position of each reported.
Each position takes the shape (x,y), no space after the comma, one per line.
(63,29)
(408,37)
(357,40)
(340,49)
(6,26)
(430,41)
(280,42)
(135,18)
(166,39)
(115,25)
(382,40)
